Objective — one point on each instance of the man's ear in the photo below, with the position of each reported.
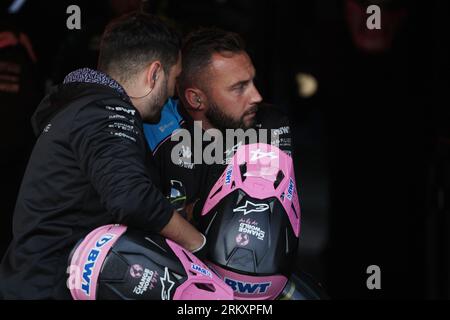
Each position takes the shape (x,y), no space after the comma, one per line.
(153,73)
(195,98)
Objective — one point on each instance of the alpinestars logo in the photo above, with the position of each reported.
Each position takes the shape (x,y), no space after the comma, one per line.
(230,152)
(258,154)
(250,207)
(167,285)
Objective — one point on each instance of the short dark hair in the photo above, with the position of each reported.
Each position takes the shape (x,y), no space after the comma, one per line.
(198,48)
(135,39)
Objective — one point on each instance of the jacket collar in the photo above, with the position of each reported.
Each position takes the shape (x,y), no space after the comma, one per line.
(86,75)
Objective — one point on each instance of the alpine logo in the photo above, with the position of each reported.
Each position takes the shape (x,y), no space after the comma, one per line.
(167,285)
(290,190)
(201,270)
(247,287)
(91,260)
(228,175)
(250,207)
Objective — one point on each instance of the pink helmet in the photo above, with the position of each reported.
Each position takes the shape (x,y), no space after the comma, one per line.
(251,219)
(113,262)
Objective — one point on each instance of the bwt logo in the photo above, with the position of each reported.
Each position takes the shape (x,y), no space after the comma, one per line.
(228,175)
(91,260)
(247,287)
(201,270)
(290,190)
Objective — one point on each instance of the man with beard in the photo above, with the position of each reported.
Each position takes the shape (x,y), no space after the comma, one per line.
(215,87)
(216,92)
(91,165)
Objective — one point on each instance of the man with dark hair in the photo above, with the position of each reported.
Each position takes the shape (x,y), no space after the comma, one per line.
(215,87)
(211,54)
(91,165)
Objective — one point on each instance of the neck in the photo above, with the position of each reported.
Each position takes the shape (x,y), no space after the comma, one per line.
(200,116)
(137,103)
(132,94)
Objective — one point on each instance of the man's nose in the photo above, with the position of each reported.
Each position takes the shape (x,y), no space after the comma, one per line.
(255,96)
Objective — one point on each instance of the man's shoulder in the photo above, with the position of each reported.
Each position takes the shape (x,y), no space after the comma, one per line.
(104,109)
(171,120)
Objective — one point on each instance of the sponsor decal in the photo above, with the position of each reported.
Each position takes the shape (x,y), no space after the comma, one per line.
(248,221)
(229,153)
(163,127)
(167,285)
(129,111)
(290,189)
(247,287)
(93,255)
(242,239)
(117,116)
(201,270)
(228,175)
(123,135)
(252,230)
(281,130)
(136,271)
(250,207)
(258,154)
(121,109)
(48,127)
(122,126)
(148,280)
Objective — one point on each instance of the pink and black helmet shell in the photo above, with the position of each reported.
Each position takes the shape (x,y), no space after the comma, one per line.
(251,219)
(114,262)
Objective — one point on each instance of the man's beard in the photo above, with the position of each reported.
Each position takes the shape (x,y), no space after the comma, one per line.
(157,104)
(222,121)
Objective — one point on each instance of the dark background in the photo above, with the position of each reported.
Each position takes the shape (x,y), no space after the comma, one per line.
(371,145)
